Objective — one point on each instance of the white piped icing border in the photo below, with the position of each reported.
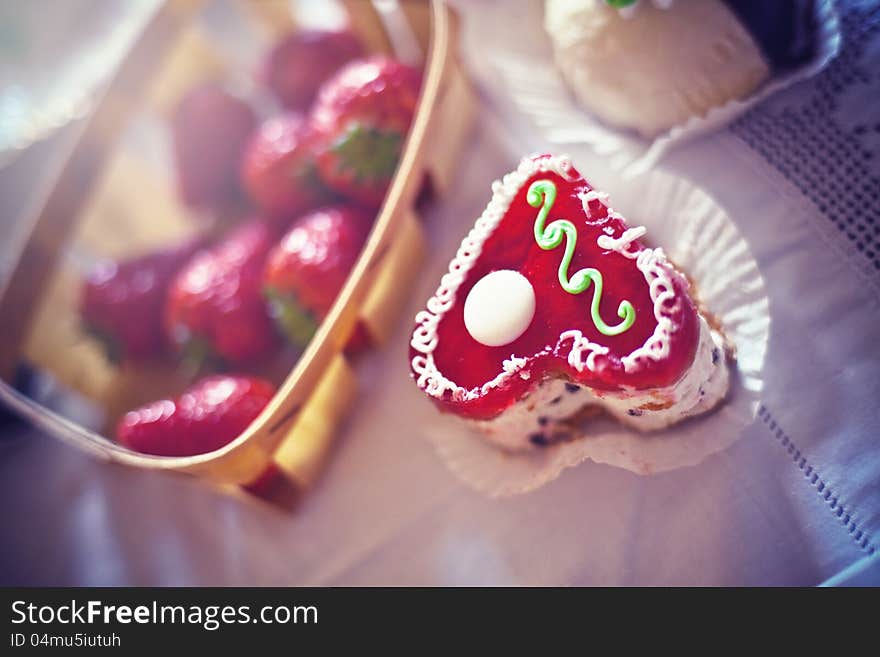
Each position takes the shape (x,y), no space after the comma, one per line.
(621,244)
(651,262)
(579,346)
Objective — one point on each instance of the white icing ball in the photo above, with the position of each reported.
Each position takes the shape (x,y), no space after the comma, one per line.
(499,308)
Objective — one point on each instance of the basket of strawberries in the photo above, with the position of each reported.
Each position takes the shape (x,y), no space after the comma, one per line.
(210,314)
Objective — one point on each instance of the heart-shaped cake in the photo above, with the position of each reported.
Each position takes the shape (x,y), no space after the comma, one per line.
(553,309)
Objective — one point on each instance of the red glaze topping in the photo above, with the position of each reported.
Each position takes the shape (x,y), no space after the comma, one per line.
(512,245)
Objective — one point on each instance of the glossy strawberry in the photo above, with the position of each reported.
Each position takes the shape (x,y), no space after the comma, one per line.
(308,268)
(210,129)
(215,306)
(362,116)
(122,302)
(298,64)
(207,416)
(279,170)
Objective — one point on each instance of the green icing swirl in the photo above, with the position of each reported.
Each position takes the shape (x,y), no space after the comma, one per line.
(543,193)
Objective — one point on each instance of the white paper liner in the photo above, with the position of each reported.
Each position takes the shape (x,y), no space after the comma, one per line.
(701,239)
(531,79)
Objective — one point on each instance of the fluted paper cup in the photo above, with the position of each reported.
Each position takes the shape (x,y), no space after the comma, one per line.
(701,239)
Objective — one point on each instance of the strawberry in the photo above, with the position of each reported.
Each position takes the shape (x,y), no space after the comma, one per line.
(214,306)
(209,130)
(205,417)
(362,117)
(279,171)
(308,268)
(299,62)
(122,302)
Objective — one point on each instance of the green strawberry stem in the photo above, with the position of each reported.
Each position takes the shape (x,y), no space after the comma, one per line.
(306,176)
(198,355)
(369,153)
(109,344)
(295,322)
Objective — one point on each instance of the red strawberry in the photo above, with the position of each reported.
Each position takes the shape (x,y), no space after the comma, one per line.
(215,303)
(297,65)
(308,268)
(208,415)
(122,302)
(210,129)
(362,116)
(279,170)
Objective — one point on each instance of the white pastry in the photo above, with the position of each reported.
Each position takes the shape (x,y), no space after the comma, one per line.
(653,68)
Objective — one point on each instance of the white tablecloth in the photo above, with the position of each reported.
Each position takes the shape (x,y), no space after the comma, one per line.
(795,501)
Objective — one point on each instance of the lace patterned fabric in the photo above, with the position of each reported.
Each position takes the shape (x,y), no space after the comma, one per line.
(825,139)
